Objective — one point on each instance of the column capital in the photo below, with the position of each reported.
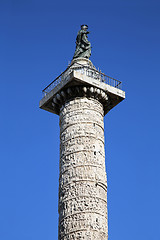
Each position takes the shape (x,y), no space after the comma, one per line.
(81,91)
(82,79)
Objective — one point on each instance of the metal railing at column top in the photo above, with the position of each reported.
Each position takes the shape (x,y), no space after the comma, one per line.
(86,70)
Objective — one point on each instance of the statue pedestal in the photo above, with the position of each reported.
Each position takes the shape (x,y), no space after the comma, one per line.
(82,61)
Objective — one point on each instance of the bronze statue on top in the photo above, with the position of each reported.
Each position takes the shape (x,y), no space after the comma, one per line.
(83,46)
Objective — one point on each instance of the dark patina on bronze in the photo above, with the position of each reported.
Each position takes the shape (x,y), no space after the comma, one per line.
(83,46)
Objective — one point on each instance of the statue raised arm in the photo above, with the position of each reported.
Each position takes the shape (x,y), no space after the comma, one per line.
(83,46)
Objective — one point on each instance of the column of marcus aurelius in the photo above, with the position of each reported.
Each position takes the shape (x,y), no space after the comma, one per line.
(81,96)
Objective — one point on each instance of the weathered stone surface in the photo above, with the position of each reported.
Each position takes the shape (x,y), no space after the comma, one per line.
(82,181)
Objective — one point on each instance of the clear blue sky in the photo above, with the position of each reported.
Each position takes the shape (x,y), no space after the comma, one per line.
(37,41)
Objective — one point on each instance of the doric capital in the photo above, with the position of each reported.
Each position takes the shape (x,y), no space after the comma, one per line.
(82,79)
(73,92)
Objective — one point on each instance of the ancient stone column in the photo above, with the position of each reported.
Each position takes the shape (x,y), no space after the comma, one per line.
(82,182)
(81,97)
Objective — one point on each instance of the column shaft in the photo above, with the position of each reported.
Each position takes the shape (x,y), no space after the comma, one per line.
(82,181)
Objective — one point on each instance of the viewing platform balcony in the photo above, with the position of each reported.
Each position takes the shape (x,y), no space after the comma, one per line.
(86,71)
(81,72)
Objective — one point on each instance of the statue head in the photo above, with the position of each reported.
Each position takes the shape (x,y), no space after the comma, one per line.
(84,27)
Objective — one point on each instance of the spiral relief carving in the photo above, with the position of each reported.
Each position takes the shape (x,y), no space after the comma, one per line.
(82,181)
